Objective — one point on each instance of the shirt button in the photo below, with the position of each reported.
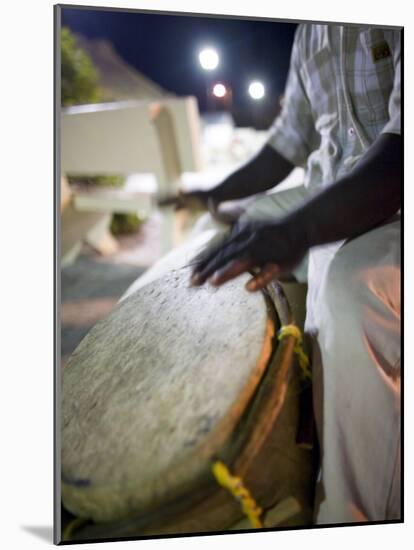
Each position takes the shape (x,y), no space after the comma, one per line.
(351,131)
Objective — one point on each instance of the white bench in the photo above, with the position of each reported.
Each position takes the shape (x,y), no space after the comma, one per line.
(160,138)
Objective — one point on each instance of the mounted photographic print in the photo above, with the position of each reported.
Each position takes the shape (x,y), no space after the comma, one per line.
(228,215)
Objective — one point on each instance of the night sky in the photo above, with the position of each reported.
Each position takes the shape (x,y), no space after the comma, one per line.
(165,48)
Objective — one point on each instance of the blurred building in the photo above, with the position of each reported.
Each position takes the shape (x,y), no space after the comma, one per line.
(118,80)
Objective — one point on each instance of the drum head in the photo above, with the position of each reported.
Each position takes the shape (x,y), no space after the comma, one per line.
(155,390)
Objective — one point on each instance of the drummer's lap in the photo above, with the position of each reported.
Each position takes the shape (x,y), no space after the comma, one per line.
(358,415)
(275,204)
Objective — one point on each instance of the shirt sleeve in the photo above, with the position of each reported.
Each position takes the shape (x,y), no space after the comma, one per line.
(393,126)
(293,133)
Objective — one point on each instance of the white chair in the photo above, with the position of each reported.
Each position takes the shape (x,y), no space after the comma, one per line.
(119,138)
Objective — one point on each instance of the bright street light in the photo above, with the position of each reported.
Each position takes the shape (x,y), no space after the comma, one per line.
(256,90)
(219,90)
(209,59)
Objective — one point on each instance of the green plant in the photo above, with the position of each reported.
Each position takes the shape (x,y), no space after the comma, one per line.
(79,85)
(104,180)
(79,77)
(124,224)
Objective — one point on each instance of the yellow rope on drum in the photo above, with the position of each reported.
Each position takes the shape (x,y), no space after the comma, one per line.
(293,330)
(235,486)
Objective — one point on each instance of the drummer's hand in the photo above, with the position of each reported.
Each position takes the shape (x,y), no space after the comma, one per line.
(192,200)
(271,248)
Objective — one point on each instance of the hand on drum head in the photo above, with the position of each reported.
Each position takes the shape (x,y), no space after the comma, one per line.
(269,248)
(192,200)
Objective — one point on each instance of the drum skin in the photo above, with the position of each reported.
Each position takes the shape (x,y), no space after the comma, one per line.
(155,391)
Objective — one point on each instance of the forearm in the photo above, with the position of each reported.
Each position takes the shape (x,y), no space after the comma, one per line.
(369,195)
(265,170)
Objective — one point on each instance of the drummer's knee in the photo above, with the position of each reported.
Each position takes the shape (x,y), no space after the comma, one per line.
(359,289)
(342,295)
(363,275)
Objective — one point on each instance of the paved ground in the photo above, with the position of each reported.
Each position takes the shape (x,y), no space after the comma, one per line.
(90,289)
(92,285)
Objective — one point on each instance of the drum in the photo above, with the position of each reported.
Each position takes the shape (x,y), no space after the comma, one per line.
(172,382)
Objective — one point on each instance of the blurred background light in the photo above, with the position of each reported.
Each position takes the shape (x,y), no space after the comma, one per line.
(219,90)
(209,59)
(256,90)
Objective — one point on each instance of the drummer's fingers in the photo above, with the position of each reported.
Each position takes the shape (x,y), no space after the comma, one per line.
(170,200)
(178,201)
(218,261)
(206,255)
(263,278)
(230,271)
(215,249)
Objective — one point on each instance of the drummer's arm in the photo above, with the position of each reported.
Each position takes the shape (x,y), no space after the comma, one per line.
(368,196)
(265,170)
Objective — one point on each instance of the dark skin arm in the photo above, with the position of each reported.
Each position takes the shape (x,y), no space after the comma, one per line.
(369,195)
(265,170)
(262,172)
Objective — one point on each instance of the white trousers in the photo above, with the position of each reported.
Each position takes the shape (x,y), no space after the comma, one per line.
(354,319)
(356,378)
